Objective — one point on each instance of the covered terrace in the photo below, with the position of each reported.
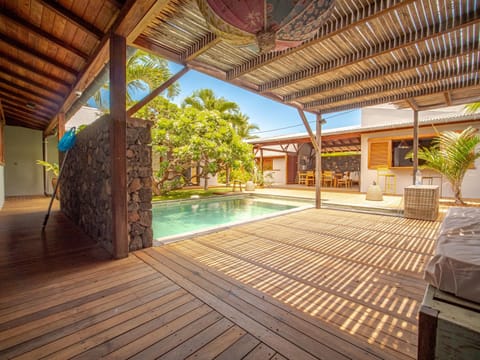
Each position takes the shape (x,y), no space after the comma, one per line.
(418,53)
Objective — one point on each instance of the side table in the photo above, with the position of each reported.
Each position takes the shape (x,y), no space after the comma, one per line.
(421,202)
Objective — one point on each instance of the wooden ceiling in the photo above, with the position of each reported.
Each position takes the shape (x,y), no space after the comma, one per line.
(421,54)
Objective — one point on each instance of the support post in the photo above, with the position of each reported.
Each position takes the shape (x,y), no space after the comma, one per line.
(61,124)
(309,130)
(118,145)
(318,163)
(415,145)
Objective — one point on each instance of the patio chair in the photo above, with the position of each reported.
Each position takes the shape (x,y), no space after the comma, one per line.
(310,179)
(345,180)
(302,177)
(328,178)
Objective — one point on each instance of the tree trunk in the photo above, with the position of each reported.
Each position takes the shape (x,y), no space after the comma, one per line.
(205,183)
(227,176)
(457,193)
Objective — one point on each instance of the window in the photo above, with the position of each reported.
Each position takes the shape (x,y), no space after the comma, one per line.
(391,152)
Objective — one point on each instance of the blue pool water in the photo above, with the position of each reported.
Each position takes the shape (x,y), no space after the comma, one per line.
(201,215)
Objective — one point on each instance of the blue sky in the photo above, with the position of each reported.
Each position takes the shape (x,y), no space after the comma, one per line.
(267,114)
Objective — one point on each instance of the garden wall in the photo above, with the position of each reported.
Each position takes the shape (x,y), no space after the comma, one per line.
(86,183)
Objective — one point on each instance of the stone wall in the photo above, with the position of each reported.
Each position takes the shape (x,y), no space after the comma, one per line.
(341,163)
(86,183)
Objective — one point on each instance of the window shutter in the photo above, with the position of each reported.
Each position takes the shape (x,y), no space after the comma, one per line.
(378,154)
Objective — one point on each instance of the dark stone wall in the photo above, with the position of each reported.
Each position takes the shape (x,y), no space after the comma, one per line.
(341,163)
(86,183)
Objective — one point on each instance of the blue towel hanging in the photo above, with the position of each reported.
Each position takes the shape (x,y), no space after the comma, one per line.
(68,140)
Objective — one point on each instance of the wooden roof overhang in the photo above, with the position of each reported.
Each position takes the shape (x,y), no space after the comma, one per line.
(417,53)
(330,143)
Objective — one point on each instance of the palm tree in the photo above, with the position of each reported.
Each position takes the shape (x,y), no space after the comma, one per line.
(472,108)
(145,72)
(243,127)
(451,154)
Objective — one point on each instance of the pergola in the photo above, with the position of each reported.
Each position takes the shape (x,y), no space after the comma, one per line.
(414,53)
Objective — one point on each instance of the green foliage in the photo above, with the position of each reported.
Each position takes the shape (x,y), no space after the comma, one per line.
(472,108)
(145,72)
(187,193)
(186,137)
(451,154)
(53,167)
(235,174)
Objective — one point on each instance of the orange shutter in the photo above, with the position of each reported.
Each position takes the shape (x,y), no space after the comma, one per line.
(379,154)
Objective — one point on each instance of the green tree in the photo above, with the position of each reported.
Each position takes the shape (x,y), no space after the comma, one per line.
(213,144)
(186,137)
(229,111)
(145,72)
(451,154)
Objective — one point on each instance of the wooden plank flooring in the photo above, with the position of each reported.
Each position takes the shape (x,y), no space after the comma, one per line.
(318,284)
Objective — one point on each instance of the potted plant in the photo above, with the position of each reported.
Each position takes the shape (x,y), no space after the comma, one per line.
(54,168)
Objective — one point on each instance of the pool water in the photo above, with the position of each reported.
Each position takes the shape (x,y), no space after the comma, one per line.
(201,215)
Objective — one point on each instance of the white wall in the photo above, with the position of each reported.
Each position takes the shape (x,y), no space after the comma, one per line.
(22,148)
(386,115)
(2,186)
(404,177)
(279,171)
(84,116)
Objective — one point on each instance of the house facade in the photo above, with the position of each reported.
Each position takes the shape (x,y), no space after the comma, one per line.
(383,139)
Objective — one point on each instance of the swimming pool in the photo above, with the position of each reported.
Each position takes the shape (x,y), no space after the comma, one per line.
(175,220)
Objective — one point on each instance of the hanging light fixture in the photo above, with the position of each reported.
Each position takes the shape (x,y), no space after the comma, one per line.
(403,145)
(269,24)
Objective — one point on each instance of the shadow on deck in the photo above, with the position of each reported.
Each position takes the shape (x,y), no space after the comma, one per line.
(314,284)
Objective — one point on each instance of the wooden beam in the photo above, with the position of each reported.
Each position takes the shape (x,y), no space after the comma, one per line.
(12,17)
(144,44)
(21,64)
(327,30)
(200,46)
(145,18)
(424,79)
(388,46)
(309,130)
(30,94)
(34,53)
(318,162)
(420,62)
(118,143)
(156,92)
(61,124)
(20,115)
(14,99)
(460,83)
(73,18)
(415,146)
(448,97)
(413,104)
(24,109)
(29,81)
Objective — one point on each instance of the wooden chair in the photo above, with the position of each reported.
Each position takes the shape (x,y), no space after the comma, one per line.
(345,180)
(302,178)
(310,179)
(328,178)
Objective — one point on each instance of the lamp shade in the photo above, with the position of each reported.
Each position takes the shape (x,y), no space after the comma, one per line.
(270,24)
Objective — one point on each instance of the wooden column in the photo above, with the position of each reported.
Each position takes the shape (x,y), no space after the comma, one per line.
(61,124)
(415,145)
(118,143)
(318,163)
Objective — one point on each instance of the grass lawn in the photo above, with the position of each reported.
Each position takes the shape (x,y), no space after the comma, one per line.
(187,193)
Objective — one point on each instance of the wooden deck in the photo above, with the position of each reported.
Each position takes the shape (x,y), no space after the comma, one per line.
(315,284)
